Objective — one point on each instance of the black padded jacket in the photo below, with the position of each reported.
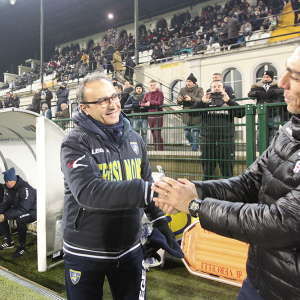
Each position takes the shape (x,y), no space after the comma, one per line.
(264,211)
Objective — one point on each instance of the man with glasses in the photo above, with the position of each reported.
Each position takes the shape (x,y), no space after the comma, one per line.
(107,188)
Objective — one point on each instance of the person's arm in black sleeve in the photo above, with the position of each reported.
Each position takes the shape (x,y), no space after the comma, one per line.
(230,92)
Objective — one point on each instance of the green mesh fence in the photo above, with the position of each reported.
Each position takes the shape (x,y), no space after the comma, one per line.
(217,143)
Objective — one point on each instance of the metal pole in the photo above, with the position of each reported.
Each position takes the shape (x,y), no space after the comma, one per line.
(136,27)
(42,42)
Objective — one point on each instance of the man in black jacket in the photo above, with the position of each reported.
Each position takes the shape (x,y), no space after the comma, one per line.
(260,207)
(267,91)
(107,188)
(217,130)
(19,203)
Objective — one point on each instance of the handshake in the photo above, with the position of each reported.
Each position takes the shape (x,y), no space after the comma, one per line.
(174,196)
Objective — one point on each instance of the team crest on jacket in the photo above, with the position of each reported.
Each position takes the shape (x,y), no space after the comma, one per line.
(75,276)
(135,147)
(297,167)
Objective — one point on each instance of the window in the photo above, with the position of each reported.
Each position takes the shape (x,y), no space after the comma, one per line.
(260,71)
(123,33)
(176,86)
(233,78)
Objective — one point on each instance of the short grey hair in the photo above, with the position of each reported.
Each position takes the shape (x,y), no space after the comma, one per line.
(97,76)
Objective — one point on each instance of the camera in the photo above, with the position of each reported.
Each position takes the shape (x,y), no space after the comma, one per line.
(216,99)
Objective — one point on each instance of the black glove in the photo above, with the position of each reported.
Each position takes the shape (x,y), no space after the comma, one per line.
(149,248)
(163,227)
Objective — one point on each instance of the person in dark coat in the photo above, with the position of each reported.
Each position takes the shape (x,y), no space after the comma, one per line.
(233,29)
(130,65)
(140,123)
(45,95)
(217,130)
(19,203)
(8,100)
(267,91)
(295,6)
(260,207)
(62,95)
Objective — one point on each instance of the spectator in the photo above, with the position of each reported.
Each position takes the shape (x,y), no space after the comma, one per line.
(82,72)
(199,47)
(188,96)
(8,100)
(46,112)
(157,53)
(223,35)
(45,95)
(167,51)
(16,101)
(260,207)
(228,89)
(117,61)
(127,90)
(107,139)
(1,104)
(63,113)
(233,29)
(109,57)
(140,123)
(74,74)
(217,130)
(151,100)
(186,17)
(267,91)
(130,65)
(5,86)
(62,95)
(210,37)
(36,103)
(19,204)
(114,81)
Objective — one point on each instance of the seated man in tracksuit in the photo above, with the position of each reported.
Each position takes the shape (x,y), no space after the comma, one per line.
(107,188)
(19,203)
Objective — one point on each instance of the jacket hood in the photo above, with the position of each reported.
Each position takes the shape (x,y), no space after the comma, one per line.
(260,83)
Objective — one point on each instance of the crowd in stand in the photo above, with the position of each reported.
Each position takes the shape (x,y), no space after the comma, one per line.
(186,33)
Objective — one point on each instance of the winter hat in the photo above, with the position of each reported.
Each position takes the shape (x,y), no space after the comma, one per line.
(10,175)
(64,83)
(270,73)
(139,85)
(158,238)
(192,78)
(45,105)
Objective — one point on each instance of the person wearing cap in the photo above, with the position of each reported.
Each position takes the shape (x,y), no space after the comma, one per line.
(62,95)
(45,95)
(189,95)
(46,112)
(140,122)
(19,204)
(268,91)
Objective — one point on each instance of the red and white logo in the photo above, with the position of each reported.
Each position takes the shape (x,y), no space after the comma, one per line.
(297,167)
(75,164)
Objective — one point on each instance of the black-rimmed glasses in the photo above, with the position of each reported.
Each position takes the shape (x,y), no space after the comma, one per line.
(105,101)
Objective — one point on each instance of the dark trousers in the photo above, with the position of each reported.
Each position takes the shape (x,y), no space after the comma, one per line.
(296,17)
(248,292)
(213,152)
(157,139)
(126,277)
(22,222)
